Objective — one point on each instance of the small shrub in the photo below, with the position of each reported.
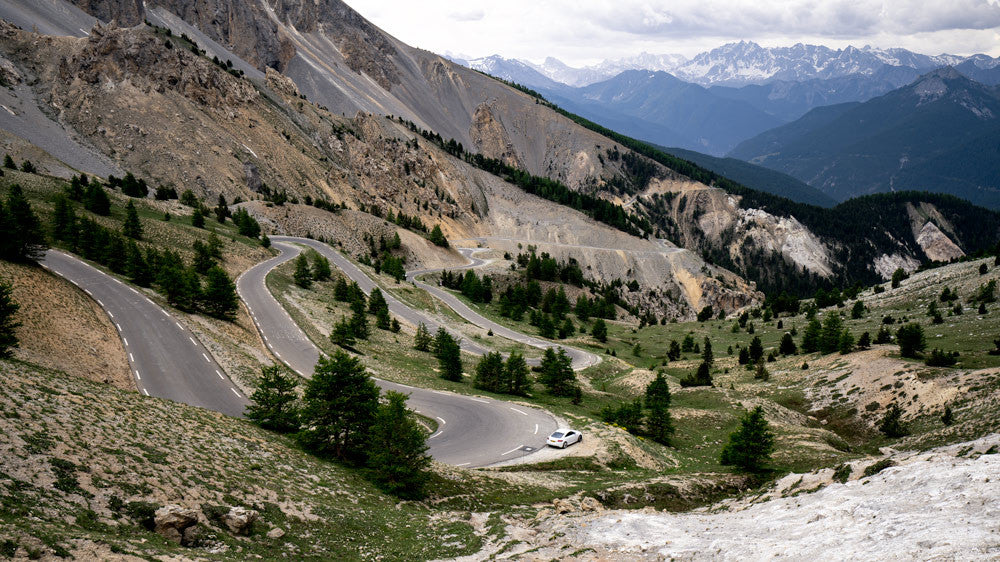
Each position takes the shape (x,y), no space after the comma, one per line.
(873,469)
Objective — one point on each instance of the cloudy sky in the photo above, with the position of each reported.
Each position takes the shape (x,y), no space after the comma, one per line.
(588,31)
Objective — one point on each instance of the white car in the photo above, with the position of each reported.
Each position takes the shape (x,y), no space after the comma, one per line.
(563,438)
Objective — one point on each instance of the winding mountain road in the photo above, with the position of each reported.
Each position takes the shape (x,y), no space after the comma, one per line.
(472,431)
(581,359)
(166,360)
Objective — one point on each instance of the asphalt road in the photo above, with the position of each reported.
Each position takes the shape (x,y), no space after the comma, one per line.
(581,359)
(167,361)
(472,431)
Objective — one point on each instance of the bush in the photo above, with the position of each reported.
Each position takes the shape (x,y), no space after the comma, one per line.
(938,358)
(873,469)
(911,340)
(892,424)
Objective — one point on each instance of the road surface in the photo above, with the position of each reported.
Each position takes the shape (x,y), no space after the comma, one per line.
(581,359)
(472,431)
(166,360)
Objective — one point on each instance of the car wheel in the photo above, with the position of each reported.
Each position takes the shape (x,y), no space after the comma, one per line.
(564,445)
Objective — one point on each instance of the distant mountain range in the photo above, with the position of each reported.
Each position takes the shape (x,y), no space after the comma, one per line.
(941,133)
(744,63)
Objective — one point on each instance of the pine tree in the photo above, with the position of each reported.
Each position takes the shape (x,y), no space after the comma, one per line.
(749,447)
(96,200)
(846,343)
(203,260)
(321,267)
(811,336)
(865,341)
(701,377)
(136,266)
(600,330)
(490,373)
(761,373)
(516,375)
(8,324)
(198,218)
(342,334)
(858,311)
(21,235)
(911,340)
(557,373)
(303,275)
(63,220)
(382,319)
(397,450)
(265,241)
(8,162)
(341,290)
(706,353)
(376,302)
(437,237)
(132,226)
(273,401)
(892,422)
(338,408)
(219,297)
(659,425)
(221,210)
(449,355)
(422,339)
(756,350)
(787,346)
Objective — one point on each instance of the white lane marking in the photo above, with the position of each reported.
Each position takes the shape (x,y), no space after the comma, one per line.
(88,292)
(71,281)
(464,464)
(119,326)
(435,435)
(99,302)
(192,340)
(146,392)
(131,357)
(520,412)
(512,450)
(222,377)
(536,429)
(137,375)
(111,314)
(479,400)
(124,339)
(161,310)
(178,325)
(441,420)
(234,391)
(206,357)
(439,392)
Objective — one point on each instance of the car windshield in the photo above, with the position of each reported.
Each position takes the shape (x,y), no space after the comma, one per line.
(557,435)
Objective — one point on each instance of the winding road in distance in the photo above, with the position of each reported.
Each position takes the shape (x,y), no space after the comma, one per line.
(472,431)
(166,360)
(581,359)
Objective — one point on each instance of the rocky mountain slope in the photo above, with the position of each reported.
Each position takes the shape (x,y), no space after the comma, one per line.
(935,134)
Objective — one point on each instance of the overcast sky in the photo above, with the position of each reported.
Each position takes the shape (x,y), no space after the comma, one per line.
(588,31)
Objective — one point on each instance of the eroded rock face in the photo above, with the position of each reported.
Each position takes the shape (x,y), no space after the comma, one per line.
(886,264)
(171,521)
(936,245)
(490,136)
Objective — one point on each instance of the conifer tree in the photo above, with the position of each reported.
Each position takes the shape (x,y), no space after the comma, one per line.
(63,220)
(516,375)
(338,408)
(8,323)
(449,355)
(811,336)
(600,330)
(359,322)
(96,200)
(321,267)
(787,345)
(422,339)
(21,235)
(490,373)
(303,275)
(132,227)
(219,297)
(342,334)
(273,401)
(397,450)
(750,446)
(557,373)
(221,210)
(198,218)
(892,422)
(659,425)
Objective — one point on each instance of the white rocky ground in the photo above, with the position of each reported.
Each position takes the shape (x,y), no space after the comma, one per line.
(939,505)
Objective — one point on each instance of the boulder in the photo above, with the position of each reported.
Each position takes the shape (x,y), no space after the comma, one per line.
(563,506)
(239,520)
(276,533)
(590,504)
(172,520)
